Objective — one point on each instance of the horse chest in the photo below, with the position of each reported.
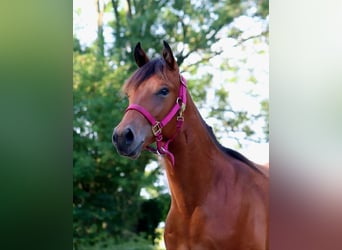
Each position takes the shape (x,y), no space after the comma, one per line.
(196,232)
(211,228)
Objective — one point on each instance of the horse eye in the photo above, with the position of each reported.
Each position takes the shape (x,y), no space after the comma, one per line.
(163,92)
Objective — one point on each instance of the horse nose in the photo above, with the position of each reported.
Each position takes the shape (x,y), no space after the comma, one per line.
(129,136)
(123,139)
(115,137)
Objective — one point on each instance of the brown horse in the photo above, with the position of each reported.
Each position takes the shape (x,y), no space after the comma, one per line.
(219,199)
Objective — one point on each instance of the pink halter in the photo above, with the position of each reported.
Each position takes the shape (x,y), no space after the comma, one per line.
(162,147)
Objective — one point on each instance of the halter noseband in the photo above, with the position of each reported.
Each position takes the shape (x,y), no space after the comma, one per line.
(162,147)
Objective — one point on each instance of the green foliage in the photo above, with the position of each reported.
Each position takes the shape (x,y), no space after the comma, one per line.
(194,25)
(198,87)
(133,243)
(152,211)
(106,186)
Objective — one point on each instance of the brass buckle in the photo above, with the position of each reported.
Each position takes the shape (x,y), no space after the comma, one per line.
(156,129)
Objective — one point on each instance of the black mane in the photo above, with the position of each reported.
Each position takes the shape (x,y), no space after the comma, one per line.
(234,154)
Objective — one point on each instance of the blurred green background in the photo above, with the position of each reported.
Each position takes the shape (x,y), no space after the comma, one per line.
(35,124)
(119,203)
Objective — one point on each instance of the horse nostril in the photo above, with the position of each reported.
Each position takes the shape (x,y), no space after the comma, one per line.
(129,136)
(115,137)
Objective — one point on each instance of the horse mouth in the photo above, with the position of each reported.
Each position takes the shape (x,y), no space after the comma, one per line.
(135,153)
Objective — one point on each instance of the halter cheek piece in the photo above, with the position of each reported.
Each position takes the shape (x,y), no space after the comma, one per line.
(157,127)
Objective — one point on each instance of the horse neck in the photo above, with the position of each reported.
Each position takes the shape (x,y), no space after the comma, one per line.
(195,168)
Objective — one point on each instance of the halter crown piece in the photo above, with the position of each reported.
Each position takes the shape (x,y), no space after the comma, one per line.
(157,126)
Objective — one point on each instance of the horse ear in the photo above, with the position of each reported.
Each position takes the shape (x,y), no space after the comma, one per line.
(140,55)
(168,56)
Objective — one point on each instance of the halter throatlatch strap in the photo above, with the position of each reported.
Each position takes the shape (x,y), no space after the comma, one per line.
(157,126)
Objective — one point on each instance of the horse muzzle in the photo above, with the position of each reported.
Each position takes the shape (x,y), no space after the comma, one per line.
(127,143)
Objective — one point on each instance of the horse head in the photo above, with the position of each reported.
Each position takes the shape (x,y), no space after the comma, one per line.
(155,97)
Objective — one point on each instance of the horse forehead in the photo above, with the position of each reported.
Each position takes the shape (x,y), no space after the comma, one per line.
(150,85)
(144,89)
(152,82)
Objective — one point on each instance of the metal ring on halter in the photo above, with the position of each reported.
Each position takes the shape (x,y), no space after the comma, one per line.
(180,118)
(179,100)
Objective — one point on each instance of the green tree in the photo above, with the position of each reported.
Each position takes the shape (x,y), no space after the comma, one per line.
(106,186)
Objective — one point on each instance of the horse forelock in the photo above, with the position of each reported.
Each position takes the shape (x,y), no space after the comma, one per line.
(154,67)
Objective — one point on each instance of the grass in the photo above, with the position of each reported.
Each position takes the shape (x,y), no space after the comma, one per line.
(135,243)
